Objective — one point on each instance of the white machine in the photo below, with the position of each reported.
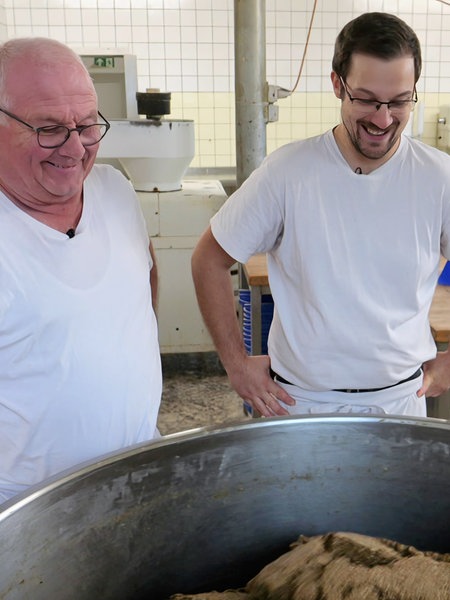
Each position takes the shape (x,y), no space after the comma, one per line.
(175,221)
(155,153)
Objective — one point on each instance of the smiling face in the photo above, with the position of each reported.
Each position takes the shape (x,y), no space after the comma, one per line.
(35,178)
(370,137)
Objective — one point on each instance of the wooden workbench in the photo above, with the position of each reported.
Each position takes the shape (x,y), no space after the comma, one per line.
(440,314)
(255,272)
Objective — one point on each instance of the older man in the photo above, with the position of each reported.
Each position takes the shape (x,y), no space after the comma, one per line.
(80,371)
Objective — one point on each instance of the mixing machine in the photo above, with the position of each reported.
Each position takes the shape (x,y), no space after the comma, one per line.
(154,151)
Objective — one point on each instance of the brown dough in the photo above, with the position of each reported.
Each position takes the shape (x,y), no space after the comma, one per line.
(346,566)
(351,566)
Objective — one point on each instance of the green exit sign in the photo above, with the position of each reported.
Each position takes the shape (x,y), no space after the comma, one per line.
(104,61)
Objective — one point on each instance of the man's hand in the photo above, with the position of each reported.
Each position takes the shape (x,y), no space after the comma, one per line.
(252,381)
(436,379)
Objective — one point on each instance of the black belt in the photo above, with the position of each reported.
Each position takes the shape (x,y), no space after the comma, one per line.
(277,377)
(415,375)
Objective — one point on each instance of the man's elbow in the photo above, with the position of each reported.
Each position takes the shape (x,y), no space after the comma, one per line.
(209,254)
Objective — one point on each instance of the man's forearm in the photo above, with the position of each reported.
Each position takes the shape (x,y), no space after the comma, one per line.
(213,285)
(216,301)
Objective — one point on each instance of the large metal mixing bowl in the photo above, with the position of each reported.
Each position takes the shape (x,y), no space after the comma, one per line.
(207,509)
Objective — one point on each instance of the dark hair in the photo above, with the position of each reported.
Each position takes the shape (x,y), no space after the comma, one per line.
(376,34)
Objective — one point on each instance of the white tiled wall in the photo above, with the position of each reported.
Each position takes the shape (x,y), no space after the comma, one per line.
(3,27)
(187,47)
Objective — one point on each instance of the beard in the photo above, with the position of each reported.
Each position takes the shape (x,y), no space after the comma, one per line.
(373,149)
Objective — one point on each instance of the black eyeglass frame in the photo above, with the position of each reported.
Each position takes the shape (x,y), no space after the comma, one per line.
(376,104)
(79,129)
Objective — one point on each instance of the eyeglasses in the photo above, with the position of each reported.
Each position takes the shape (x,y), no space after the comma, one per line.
(54,136)
(396,107)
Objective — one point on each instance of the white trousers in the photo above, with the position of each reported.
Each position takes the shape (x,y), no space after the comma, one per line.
(398,400)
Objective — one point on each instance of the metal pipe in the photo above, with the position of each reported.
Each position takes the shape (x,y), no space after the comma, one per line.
(250,85)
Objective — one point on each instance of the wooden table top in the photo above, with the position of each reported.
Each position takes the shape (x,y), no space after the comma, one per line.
(256,270)
(256,273)
(440,314)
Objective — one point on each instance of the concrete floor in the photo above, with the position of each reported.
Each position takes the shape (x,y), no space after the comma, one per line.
(196,393)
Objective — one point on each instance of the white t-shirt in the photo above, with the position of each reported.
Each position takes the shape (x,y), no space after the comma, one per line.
(80,370)
(352,259)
